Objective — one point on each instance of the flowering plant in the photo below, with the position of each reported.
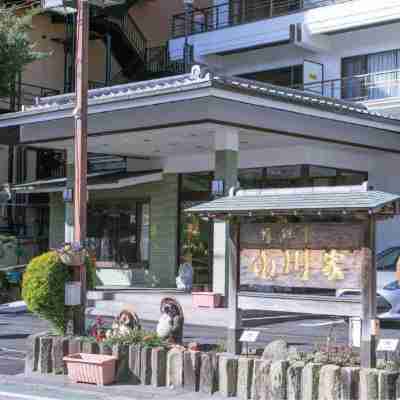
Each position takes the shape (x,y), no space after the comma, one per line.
(73,254)
(98,330)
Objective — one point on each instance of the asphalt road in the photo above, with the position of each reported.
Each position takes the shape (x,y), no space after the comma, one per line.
(304,334)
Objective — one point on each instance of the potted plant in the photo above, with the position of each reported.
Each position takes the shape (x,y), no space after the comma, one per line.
(72,254)
(91,368)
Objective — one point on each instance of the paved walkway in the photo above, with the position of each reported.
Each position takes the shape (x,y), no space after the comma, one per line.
(58,388)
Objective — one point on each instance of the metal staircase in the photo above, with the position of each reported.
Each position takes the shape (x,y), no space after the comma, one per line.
(128,45)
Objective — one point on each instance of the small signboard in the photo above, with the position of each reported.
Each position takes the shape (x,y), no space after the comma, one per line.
(249,336)
(388,345)
(355,332)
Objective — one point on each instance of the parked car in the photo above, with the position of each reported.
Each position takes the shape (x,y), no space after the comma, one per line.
(388,288)
(386,266)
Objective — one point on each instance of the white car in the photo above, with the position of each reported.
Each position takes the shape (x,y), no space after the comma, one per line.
(388,288)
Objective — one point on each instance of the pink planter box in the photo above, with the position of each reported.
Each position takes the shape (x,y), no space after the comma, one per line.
(206,299)
(91,368)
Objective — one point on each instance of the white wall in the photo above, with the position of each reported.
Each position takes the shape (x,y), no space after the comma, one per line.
(338,45)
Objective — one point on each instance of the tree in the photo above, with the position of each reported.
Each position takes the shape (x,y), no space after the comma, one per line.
(16,49)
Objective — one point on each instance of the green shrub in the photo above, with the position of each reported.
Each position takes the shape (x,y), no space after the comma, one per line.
(43,288)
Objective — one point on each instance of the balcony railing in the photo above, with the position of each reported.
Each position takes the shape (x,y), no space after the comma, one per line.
(25,94)
(237,12)
(365,87)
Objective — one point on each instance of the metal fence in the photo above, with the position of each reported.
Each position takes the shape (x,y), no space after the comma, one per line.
(237,12)
(358,88)
(24,94)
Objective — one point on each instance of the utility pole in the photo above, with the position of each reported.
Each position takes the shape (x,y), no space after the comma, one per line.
(80,140)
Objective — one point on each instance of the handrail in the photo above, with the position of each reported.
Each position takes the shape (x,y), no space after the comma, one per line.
(26,94)
(21,4)
(237,12)
(372,86)
(132,32)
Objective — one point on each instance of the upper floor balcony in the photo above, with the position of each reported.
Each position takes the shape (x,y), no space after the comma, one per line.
(238,25)
(379,91)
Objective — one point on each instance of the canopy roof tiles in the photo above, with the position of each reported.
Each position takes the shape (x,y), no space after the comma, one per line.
(200,78)
(302,200)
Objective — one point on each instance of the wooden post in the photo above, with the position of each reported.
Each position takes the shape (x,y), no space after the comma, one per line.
(234,324)
(369,326)
(80,135)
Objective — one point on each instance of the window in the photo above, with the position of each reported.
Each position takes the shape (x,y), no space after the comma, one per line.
(288,76)
(195,235)
(120,235)
(371,76)
(298,176)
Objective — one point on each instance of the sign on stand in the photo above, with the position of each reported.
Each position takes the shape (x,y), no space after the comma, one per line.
(355,332)
(249,337)
(388,345)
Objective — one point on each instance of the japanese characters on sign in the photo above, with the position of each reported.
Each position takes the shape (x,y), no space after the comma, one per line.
(318,255)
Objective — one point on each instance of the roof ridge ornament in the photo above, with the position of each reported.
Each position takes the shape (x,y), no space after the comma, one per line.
(200,72)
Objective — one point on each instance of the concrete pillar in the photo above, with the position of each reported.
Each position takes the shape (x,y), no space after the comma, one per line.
(226,168)
(69,206)
(226,266)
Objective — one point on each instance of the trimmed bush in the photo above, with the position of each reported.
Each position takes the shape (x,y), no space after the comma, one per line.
(43,288)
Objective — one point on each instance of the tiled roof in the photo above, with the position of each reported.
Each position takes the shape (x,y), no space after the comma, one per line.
(203,78)
(302,199)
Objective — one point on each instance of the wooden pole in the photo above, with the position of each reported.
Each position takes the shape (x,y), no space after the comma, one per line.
(80,137)
(234,324)
(369,324)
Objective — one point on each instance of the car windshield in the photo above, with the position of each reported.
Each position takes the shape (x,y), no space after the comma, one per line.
(386,261)
(392,286)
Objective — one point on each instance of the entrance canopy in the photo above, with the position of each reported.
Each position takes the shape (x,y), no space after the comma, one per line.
(181,115)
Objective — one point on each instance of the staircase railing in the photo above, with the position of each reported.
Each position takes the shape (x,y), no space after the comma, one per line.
(132,32)
(21,4)
(159,60)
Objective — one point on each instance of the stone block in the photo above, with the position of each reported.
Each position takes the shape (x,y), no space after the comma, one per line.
(350,379)
(277,350)
(90,347)
(261,380)
(209,373)
(310,381)
(158,367)
(329,383)
(294,381)
(278,377)
(175,368)
(135,356)
(45,365)
(387,382)
(228,369)
(122,373)
(369,384)
(59,350)
(245,377)
(145,366)
(74,345)
(32,352)
(191,367)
